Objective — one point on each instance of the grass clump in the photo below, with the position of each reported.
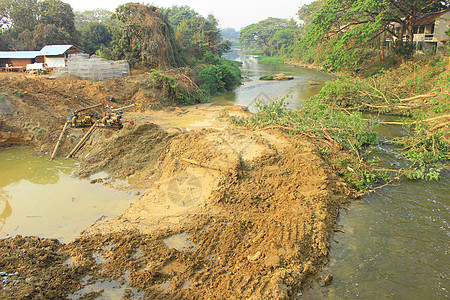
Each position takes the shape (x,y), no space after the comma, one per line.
(266,77)
(267,60)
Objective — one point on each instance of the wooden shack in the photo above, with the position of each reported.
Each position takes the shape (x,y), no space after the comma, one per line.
(16,60)
(55,56)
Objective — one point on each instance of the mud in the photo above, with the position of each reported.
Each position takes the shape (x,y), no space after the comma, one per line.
(225,212)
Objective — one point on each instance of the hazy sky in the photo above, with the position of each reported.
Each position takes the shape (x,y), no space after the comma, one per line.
(230,13)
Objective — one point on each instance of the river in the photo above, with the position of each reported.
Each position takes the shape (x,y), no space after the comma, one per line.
(396,241)
(295,91)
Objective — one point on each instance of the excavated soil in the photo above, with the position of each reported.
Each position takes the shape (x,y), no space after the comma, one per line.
(224,212)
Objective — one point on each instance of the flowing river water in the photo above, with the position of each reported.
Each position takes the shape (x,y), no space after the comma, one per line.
(395,244)
(396,241)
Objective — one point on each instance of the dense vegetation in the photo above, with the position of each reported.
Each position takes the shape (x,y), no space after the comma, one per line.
(31,24)
(343,35)
(148,37)
(375,76)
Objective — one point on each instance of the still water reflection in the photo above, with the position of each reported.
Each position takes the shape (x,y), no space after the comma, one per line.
(39,197)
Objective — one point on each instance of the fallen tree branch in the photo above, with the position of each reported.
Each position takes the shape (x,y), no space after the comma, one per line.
(418,97)
(441,125)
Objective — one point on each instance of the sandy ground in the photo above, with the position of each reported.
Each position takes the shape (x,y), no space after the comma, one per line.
(225,212)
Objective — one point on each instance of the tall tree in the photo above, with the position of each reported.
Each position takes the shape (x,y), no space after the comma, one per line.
(270,35)
(93,36)
(83,18)
(57,13)
(198,36)
(345,29)
(18,15)
(145,38)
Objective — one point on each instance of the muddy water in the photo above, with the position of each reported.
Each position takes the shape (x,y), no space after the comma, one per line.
(306,83)
(396,241)
(39,197)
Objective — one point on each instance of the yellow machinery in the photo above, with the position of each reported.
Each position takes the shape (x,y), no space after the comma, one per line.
(113,118)
(81,120)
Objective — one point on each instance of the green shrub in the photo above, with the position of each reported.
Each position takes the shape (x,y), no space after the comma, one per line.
(217,79)
(266,77)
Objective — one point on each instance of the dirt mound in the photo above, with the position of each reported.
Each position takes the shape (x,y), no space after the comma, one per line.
(250,213)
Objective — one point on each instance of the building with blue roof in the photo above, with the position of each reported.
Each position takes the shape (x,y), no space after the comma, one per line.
(53,56)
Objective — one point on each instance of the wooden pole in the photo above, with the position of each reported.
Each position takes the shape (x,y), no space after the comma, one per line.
(59,140)
(83,140)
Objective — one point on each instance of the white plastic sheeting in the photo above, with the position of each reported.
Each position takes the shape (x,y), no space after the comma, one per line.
(55,62)
(35,66)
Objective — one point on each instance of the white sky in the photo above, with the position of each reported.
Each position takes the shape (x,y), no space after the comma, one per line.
(230,13)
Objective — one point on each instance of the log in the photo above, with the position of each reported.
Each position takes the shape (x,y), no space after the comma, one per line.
(83,140)
(418,97)
(59,140)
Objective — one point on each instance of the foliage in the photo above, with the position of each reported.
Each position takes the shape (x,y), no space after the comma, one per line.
(424,146)
(18,15)
(385,90)
(59,14)
(172,90)
(47,34)
(420,89)
(219,77)
(145,38)
(342,34)
(254,52)
(273,36)
(93,36)
(197,35)
(29,24)
(230,34)
(83,18)
(266,77)
(403,49)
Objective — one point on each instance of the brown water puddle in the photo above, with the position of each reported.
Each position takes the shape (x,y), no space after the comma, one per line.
(41,198)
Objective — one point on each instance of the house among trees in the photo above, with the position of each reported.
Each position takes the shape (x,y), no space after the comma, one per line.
(52,56)
(429,32)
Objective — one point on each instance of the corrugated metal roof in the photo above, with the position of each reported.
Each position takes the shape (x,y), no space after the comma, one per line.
(55,49)
(19,54)
(47,51)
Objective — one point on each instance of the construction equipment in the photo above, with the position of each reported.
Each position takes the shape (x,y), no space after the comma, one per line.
(113,118)
(84,120)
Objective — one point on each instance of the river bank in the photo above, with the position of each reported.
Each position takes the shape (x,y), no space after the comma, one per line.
(224,211)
